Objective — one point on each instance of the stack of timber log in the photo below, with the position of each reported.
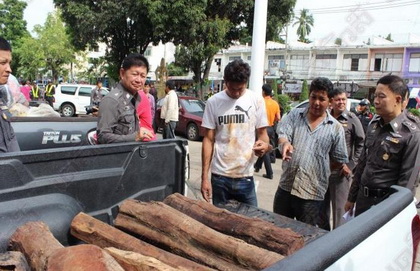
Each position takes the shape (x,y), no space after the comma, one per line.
(176,234)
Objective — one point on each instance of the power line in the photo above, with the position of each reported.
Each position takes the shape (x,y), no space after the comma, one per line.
(364,7)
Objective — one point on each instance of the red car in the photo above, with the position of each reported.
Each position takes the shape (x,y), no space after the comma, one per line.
(191,112)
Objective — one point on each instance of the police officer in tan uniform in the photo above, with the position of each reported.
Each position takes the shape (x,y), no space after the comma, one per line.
(391,154)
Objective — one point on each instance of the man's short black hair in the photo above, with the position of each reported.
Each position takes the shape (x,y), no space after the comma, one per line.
(321,84)
(335,92)
(5,45)
(135,60)
(170,84)
(267,89)
(396,84)
(237,71)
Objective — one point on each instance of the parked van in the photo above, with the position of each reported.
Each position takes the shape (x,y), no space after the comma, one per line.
(72,99)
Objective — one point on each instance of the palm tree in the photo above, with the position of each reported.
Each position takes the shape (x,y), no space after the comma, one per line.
(305,22)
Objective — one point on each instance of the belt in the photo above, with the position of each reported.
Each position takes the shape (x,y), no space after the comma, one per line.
(375,192)
(235,179)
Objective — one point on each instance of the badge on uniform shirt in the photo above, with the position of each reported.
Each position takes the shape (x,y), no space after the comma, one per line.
(385,156)
(393,140)
(4,116)
(344,124)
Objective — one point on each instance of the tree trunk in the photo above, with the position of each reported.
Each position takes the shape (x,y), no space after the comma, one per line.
(13,261)
(96,232)
(82,258)
(132,261)
(185,236)
(36,242)
(252,230)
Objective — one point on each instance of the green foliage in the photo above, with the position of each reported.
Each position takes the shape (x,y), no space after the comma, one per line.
(284,102)
(304,94)
(175,70)
(31,57)
(338,41)
(304,21)
(50,51)
(13,26)
(414,111)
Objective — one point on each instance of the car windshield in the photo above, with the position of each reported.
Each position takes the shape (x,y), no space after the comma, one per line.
(193,105)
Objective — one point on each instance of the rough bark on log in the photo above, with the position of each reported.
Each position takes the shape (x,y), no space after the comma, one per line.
(13,261)
(132,261)
(94,231)
(82,258)
(185,236)
(36,242)
(252,230)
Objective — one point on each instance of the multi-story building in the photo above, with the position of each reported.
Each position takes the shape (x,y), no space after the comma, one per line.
(350,66)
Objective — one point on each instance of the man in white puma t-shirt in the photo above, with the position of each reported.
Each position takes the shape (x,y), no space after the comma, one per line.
(232,119)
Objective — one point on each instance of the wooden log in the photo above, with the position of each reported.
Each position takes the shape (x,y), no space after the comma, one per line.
(185,236)
(252,230)
(82,258)
(132,261)
(36,242)
(94,231)
(13,261)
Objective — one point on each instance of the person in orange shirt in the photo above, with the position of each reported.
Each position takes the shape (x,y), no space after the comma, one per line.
(273,116)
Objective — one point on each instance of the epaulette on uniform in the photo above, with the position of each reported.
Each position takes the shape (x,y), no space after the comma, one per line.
(351,114)
(375,118)
(412,122)
(413,118)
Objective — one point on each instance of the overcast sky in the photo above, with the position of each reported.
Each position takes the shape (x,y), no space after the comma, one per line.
(347,19)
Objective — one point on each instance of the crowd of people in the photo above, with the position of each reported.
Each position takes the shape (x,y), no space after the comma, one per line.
(331,157)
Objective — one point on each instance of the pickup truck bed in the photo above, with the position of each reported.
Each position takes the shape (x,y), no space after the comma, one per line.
(53,185)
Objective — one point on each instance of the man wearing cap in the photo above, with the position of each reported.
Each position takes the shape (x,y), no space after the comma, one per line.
(364,113)
(273,116)
(391,153)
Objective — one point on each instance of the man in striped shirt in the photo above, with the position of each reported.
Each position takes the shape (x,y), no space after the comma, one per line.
(308,139)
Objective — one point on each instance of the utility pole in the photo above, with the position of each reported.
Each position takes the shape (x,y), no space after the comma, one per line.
(258,45)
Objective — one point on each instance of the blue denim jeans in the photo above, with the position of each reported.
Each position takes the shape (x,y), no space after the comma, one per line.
(240,189)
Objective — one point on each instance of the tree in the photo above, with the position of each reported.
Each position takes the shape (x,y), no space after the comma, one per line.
(389,37)
(304,94)
(338,41)
(31,58)
(129,26)
(304,21)
(227,21)
(55,45)
(13,26)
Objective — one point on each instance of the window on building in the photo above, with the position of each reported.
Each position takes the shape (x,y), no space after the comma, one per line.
(378,64)
(232,58)
(387,62)
(414,64)
(148,51)
(354,62)
(326,62)
(299,62)
(249,58)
